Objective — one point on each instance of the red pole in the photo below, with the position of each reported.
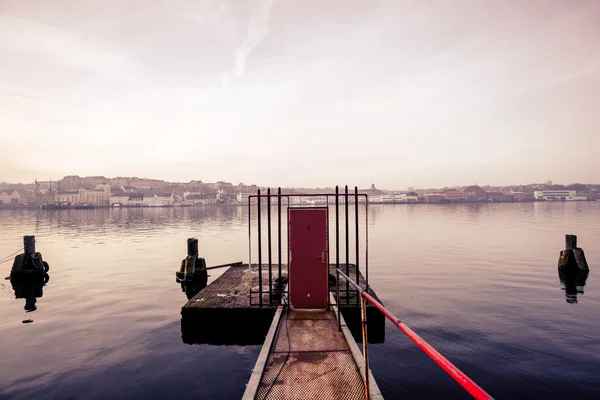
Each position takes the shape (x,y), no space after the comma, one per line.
(439,359)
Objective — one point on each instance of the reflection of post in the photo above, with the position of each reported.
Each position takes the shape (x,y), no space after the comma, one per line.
(573,283)
(192,288)
(29,289)
(30,304)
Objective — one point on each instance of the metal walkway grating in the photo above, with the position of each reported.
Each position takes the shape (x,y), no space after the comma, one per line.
(319,364)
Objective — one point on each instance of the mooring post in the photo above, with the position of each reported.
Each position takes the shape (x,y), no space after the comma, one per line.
(572,257)
(189,263)
(580,259)
(570,242)
(28,245)
(30,261)
(192,247)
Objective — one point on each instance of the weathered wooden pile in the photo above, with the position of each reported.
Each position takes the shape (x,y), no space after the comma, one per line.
(573,269)
(572,257)
(29,264)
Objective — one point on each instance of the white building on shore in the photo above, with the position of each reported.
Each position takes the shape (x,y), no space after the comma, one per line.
(10,197)
(118,197)
(68,197)
(163,199)
(135,200)
(394,198)
(242,197)
(100,196)
(557,195)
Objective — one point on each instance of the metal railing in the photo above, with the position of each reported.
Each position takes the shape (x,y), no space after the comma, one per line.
(462,379)
(346,196)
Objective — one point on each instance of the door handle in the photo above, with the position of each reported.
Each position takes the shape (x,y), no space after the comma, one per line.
(322,257)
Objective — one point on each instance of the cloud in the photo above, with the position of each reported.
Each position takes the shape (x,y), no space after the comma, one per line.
(258,30)
(65,46)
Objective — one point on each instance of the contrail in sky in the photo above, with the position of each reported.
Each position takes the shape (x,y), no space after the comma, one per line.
(258,29)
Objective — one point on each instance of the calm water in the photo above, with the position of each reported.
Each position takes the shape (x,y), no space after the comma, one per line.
(478,281)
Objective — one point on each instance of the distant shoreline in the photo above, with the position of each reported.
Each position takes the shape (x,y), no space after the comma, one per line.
(79,208)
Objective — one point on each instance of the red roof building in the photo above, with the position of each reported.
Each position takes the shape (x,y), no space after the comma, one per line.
(475,193)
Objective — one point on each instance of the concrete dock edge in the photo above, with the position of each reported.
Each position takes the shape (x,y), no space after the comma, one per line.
(259,367)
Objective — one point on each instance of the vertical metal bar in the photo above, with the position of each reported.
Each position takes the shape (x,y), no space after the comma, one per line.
(279,235)
(259,252)
(250,239)
(356,233)
(337,233)
(269,245)
(363,311)
(347,246)
(367,242)
(328,257)
(288,243)
(337,299)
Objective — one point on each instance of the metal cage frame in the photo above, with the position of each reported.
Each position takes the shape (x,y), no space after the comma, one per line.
(336,196)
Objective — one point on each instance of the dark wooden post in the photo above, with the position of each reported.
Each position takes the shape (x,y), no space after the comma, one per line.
(572,257)
(189,265)
(29,261)
(580,259)
(570,242)
(28,245)
(192,247)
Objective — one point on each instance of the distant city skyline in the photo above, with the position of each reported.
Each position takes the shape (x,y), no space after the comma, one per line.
(302,94)
(351,185)
(74,191)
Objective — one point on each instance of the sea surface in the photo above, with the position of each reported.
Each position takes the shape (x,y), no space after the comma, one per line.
(479,282)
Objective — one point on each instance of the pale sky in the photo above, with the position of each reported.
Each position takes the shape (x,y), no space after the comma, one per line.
(423,93)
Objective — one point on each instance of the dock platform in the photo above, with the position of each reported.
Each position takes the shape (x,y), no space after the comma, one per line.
(214,314)
(309,334)
(310,359)
(305,356)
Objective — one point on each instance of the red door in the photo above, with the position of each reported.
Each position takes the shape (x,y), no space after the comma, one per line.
(307,228)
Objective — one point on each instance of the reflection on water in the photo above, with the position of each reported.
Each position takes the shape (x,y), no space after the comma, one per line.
(572,283)
(29,289)
(109,324)
(193,287)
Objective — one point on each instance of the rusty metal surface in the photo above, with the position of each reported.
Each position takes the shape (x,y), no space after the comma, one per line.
(214,315)
(310,360)
(231,289)
(310,315)
(310,335)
